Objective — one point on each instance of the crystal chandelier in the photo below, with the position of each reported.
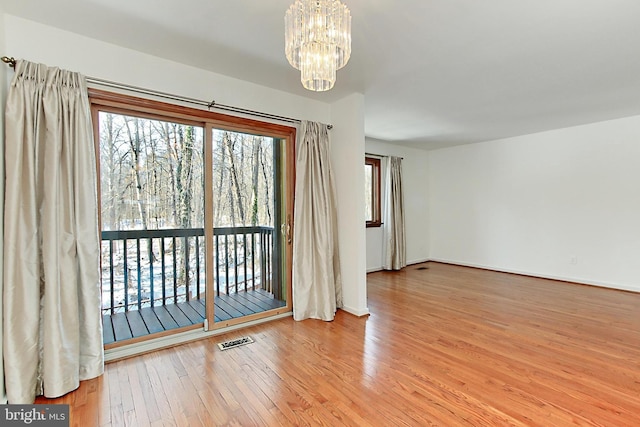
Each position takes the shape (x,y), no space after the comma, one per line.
(318,40)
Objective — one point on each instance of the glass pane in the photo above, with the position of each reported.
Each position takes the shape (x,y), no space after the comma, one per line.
(247,250)
(242,179)
(368,189)
(151,174)
(152,213)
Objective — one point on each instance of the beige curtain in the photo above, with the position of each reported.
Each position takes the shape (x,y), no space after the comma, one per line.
(3,71)
(52,320)
(394,238)
(317,286)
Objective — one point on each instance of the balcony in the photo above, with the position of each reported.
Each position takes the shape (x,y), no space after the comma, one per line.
(154,280)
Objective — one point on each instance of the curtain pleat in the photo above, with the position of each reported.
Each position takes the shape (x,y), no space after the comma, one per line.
(394,238)
(52,314)
(317,284)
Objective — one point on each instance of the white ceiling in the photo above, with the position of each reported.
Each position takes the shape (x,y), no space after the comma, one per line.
(434,72)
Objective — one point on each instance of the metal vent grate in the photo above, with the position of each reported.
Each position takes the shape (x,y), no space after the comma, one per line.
(422,268)
(234,343)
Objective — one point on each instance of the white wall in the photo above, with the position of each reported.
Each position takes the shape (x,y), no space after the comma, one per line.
(560,204)
(40,43)
(415,180)
(347,156)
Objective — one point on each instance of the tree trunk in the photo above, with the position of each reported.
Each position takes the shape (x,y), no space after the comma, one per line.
(136,144)
(113,206)
(267,181)
(218,190)
(232,211)
(186,168)
(255,182)
(234,182)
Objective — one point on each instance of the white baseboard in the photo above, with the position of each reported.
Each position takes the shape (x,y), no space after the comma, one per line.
(540,275)
(356,312)
(180,338)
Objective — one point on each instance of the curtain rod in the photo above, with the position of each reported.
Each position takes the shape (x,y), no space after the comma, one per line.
(10,61)
(378,155)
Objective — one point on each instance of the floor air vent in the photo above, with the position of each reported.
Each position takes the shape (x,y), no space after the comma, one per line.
(234,343)
(422,268)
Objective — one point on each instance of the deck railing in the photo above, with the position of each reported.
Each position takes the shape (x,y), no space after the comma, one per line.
(147,268)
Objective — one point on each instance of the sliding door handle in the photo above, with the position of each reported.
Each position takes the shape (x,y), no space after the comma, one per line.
(286,230)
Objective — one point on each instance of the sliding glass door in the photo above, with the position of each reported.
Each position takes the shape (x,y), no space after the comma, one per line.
(248,210)
(152,222)
(193,210)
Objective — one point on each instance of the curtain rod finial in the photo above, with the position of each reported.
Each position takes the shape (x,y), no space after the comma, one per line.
(10,61)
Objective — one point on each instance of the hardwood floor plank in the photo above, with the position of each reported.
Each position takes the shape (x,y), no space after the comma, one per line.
(103,400)
(146,408)
(126,394)
(151,364)
(445,346)
(171,387)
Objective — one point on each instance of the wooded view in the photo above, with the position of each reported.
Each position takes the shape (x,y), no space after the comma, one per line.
(152,178)
(152,175)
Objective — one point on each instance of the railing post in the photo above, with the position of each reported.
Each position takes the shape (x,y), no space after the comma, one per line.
(226,262)
(263,259)
(150,250)
(139,274)
(175,273)
(186,267)
(197,267)
(235,262)
(253,260)
(111,277)
(244,258)
(269,238)
(164,272)
(217,255)
(126,276)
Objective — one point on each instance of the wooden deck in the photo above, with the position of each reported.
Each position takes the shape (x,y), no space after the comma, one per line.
(139,323)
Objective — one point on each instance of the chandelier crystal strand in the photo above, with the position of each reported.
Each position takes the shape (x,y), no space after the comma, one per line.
(318,40)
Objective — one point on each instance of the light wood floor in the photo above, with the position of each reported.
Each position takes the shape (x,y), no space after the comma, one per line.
(443,346)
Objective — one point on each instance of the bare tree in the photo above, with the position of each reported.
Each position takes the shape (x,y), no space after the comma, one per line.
(267,181)
(254,181)
(136,142)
